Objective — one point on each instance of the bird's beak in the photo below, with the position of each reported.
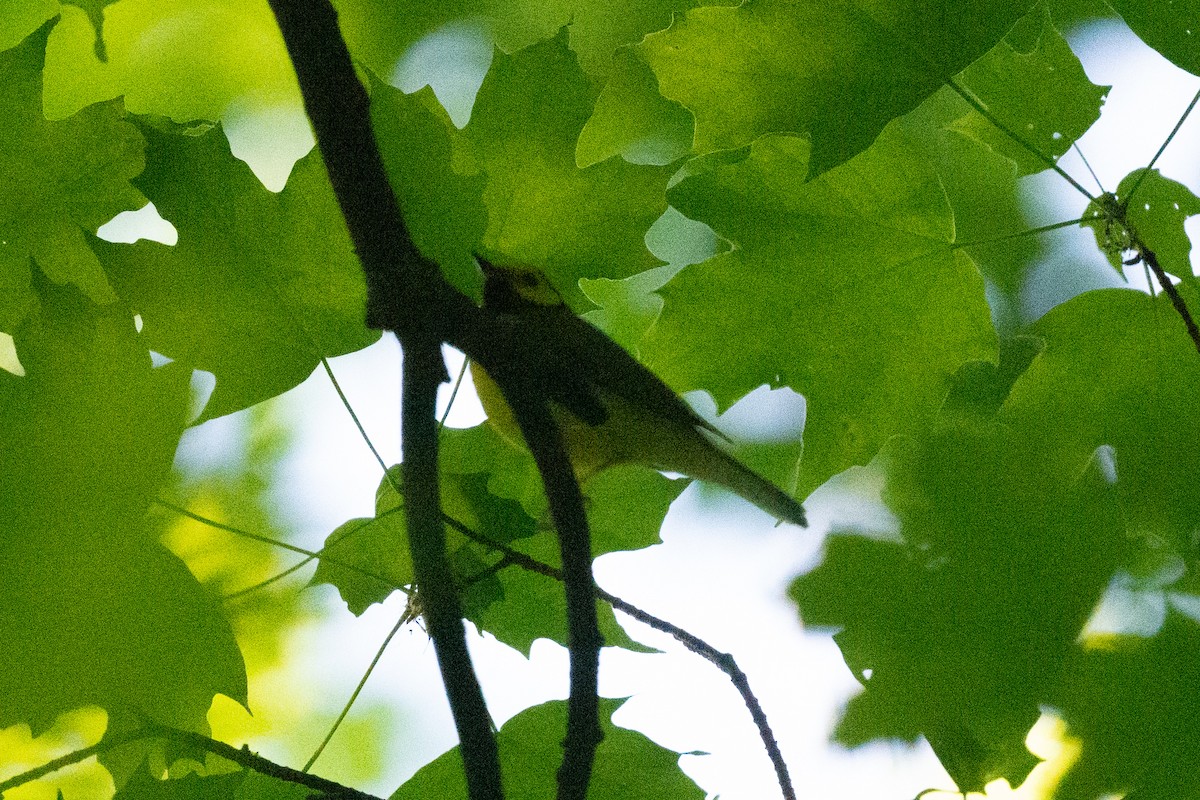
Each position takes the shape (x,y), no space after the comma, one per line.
(488,267)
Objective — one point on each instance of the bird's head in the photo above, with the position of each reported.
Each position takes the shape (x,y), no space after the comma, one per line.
(511,288)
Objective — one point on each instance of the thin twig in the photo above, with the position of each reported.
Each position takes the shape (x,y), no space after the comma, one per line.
(337,387)
(1091,171)
(1019,234)
(354,695)
(278,576)
(724,661)
(62,762)
(974,102)
(1164,280)
(321,554)
(1142,176)
(241,756)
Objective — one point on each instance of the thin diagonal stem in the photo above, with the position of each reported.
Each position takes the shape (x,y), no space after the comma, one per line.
(1019,234)
(265,583)
(241,756)
(1176,299)
(1000,126)
(337,387)
(1091,171)
(462,371)
(1186,112)
(354,695)
(336,562)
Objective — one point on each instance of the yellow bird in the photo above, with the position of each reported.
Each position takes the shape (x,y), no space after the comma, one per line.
(644,421)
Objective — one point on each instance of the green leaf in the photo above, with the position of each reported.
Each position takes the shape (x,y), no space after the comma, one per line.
(842,288)
(961,630)
(1043,96)
(260,285)
(190,787)
(628,765)
(1119,369)
(95,14)
(379,32)
(183,59)
(64,178)
(1132,702)
(837,73)
(981,186)
(1170,28)
(94,610)
(440,186)
(1155,214)
(633,120)
(20,18)
(542,208)
(378,546)
(626,507)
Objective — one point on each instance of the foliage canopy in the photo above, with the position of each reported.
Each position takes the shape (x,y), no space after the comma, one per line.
(844,183)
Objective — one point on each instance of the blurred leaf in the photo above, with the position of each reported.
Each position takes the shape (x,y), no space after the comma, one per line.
(1132,701)
(379,32)
(628,765)
(633,120)
(842,288)
(959,632)
(1043,96)
(95,611)
(981,187)
(1119,369)
(183,59)
(62,178)
(260,285)
(837,74)
(190,787)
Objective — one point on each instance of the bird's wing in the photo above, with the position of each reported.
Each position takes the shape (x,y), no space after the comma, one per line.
(610,366)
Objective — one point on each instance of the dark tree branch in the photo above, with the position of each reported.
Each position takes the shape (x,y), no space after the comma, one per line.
(1164,280)
(584,640)
(407,294)
(724,661)
(241,756)
(400,281)
(422,372)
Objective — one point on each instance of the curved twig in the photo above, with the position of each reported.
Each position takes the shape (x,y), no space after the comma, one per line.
(242,756)
(724,661)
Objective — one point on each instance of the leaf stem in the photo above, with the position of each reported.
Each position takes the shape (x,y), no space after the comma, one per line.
(354,695)
(1053,227)
(1151,260)
(1183,118)
(321,554)
(975,103)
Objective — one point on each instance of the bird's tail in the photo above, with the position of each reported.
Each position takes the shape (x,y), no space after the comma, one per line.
(730,473)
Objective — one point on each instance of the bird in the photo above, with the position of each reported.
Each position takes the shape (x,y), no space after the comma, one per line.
(640,420)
